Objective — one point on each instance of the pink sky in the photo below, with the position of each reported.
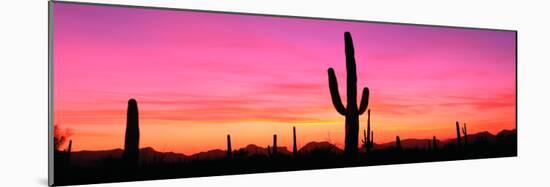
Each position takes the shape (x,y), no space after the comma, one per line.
(198,76)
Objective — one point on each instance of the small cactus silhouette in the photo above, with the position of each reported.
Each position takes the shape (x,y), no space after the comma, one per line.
(269,150)
(429,144)
(397,142)
(458,141)
(274,152)
(368,140)
(371,139)
(351,111)
(229,150)
(131,142)
(294,147)
(367,143)
(365,140)
(465,132)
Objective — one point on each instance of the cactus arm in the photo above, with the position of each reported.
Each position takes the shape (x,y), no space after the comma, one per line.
(351,72)
(334,93)
(364,101)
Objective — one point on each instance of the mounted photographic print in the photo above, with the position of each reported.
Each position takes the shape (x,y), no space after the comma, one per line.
(139,93)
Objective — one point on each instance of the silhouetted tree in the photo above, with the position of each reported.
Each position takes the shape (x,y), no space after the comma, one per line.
(458,141)
(465,132)
(294,147)
(229,150)
(352,111)
(131,141)
(60,136)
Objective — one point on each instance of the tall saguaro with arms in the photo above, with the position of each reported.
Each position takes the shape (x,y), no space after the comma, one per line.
(351,111)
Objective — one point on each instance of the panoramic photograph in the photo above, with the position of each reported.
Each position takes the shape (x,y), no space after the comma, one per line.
(148,93)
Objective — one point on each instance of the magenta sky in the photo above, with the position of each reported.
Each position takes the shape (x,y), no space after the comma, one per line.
(199,76)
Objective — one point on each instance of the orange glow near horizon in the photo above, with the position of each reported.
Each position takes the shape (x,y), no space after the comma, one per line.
(200,76)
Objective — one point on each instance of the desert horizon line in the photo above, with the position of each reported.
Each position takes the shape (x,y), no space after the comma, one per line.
(448,140)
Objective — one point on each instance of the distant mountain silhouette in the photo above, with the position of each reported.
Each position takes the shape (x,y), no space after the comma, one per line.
(311,146)
(405,144)
(507,133)
(252,149)
(212,154)
(422,143)
(149,155)
(90,158)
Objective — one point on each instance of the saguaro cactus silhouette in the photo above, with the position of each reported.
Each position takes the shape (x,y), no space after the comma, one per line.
(465,132)
(294,147)
(274,152)
(229,150)
(351,111)
(458,141)
(131,141)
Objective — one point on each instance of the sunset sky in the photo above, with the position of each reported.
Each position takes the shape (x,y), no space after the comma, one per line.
(199,76)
